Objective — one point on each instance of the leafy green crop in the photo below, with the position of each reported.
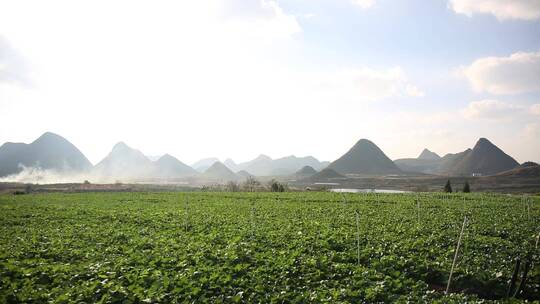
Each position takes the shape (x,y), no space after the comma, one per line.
(264,247)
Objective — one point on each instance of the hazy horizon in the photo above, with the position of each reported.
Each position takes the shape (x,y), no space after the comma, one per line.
(239,78)
(223,159)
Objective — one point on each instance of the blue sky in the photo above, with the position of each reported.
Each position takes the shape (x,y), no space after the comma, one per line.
(223,77)
(426,38)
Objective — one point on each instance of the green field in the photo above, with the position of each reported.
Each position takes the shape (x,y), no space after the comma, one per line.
(265,247)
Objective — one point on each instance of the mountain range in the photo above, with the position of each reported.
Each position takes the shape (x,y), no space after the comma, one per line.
(51,151)
(483,159)
(265,166)
(126,162)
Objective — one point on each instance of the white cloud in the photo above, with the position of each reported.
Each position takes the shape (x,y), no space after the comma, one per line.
(12,66)
(309,16)
(364,4)
(259,19)
(502,9)
(535,109)
(532,131)
(492,110)
(367,84)
(530,142)
(414,91)
(518,73)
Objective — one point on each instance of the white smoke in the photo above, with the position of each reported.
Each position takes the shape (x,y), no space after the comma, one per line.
(37,175)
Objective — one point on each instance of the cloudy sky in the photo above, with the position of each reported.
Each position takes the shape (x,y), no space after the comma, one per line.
(236,78)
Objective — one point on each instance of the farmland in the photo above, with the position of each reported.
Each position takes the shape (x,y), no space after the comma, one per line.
(266,247)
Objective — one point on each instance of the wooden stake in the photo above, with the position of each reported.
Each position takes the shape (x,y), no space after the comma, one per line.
(186,218)
(418,211)
(357,237)
(529,209)
(523,280)
(253,219)
(456,254)
(514,278)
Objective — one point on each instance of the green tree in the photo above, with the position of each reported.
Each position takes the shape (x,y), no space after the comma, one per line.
(466,187)
(276,186)
(448,187)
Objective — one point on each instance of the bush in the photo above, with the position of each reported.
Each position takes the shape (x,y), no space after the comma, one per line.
(276,186)
(466,187)
(448,187)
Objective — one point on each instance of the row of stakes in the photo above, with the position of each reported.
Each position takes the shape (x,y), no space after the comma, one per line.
(511,292)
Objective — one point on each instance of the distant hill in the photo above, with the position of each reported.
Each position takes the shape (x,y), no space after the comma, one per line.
(50,151)
(231,164)
(243,174)
(485,159)
(326,175)
(442,166)
(168,166)
(528,164)
(449,161)
(290,164)
(429,162)
(418,165)
(528,169)
(364,158)
(219,172)
(203,164)
(260,166)
(263,165)
(124,162)
(154,157)
(305,172)
(426,162)
(428,155)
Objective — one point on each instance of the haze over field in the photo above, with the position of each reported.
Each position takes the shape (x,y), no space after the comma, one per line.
(52,159)
(237,78)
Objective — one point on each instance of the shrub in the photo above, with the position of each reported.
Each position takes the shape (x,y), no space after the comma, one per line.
(466,187)
(28,188)
(276,186)
(448,187)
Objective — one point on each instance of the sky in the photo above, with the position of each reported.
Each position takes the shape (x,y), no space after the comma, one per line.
(239,78)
